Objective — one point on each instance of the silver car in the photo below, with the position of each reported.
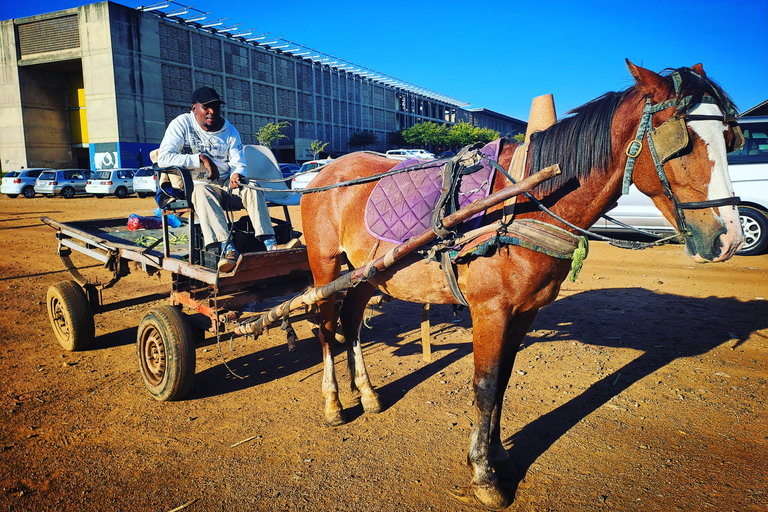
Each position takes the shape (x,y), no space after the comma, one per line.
(65,182)
(20,182)
(118,182)
(145,182)
(748,168)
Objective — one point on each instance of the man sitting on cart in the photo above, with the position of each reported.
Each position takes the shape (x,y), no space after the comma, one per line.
(207,144)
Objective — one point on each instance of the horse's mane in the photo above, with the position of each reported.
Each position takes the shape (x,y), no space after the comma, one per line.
(581,142)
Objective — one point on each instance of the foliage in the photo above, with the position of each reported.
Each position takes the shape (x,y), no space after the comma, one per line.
(520,137)
(317,147)
(270,133)
(460,134)
(362,139)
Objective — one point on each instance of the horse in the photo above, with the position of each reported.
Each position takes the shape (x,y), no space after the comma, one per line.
(599,147)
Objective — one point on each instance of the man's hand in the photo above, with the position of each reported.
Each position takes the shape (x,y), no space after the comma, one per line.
(213,170)
(234,180)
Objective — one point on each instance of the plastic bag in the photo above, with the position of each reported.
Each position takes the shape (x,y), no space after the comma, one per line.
(138,222)
(173,220)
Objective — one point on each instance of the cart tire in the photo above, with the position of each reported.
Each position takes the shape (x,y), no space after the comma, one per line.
(166,350)
(67,192)
(71,315)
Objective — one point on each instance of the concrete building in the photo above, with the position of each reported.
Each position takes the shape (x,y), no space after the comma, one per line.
(95,86)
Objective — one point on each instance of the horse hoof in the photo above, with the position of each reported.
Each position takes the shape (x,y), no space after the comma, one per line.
(334,418)
(371,404)
(491,497)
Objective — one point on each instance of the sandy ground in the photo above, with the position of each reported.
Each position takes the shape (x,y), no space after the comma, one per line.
(642,388)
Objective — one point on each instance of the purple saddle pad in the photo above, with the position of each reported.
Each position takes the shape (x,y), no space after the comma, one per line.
(401,205)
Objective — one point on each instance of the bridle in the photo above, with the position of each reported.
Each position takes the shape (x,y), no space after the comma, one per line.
(669,140)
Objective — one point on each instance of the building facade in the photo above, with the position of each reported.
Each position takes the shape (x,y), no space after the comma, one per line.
(95,86)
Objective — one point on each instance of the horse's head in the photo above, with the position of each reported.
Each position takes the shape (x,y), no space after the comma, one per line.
(679,158)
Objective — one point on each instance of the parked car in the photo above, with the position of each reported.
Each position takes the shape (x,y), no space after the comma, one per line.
(307,172)
(288,170)
(145,182)
(118,182)
(20,182)
(748,168)
(405,154)
(66,182)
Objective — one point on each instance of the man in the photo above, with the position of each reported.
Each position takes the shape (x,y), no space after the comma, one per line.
(203,141)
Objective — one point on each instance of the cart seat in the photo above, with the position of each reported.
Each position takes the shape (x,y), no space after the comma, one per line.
(263,166)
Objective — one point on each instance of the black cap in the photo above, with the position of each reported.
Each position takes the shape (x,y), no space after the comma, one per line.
(205,95)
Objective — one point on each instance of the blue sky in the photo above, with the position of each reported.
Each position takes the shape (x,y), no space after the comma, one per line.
(501,56)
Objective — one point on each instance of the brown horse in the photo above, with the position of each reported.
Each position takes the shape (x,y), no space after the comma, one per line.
(505,290)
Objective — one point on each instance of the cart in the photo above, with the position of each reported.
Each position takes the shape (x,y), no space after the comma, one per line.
(166,336)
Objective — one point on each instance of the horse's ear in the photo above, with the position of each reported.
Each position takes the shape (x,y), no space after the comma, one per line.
(699,70)
(649,83)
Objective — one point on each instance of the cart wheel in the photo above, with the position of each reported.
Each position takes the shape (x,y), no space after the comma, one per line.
(165,345)
(71,315)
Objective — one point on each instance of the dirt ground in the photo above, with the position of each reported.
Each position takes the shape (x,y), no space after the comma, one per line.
(643,387)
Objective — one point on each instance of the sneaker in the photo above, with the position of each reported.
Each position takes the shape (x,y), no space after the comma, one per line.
(228,258)
(270,243)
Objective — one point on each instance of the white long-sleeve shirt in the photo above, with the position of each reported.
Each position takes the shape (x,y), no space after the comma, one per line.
(184,140)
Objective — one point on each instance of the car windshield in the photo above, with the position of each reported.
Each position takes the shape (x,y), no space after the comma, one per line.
(12,174)
(311,165)
(48,175)
(145,172)
(102,175)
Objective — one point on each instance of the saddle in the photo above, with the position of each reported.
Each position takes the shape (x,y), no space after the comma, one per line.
(403,205)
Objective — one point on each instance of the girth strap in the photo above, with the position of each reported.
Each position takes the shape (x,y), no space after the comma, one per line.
(449,270)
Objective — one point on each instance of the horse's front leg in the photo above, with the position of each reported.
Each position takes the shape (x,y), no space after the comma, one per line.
(351,317)
(494,353)
(517,328)
(333,408)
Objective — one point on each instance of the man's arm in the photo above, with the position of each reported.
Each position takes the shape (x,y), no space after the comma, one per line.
(169,154)
(237,163)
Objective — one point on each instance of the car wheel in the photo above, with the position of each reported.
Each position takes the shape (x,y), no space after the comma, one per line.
(68,193)
(121,192)
(12,196)
(754,224)
(29,192)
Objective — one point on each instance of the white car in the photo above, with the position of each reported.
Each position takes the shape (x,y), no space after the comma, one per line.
(748,168)
(112,181)
(307,172)
(405,154)
(20,182)
(145,182)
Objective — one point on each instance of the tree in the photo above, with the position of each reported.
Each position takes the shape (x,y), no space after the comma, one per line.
(270,132)
(424,134)
(316,147)
(362,139)
(520,137)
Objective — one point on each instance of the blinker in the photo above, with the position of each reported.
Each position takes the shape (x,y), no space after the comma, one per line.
(738,139)
(670,139)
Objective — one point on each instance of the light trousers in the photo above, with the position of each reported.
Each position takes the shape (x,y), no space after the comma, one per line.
(210,200)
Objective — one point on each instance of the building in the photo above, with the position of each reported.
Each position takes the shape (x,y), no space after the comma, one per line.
(95,86)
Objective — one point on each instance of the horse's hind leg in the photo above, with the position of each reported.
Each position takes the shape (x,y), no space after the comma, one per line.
(351,317)
(325,268)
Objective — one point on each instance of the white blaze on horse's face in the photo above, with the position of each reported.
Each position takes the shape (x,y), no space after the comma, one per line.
(713,135)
